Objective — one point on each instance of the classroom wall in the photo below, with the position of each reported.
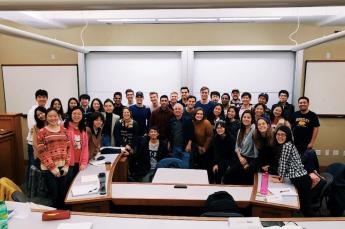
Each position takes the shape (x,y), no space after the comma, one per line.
(19,51)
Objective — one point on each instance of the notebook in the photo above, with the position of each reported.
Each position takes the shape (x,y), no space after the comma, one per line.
(81,190)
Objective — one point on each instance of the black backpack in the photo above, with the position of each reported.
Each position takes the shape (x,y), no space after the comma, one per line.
(221,202)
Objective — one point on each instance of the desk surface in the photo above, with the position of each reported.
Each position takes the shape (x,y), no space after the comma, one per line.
(180,176)
(166,194)
(93,170)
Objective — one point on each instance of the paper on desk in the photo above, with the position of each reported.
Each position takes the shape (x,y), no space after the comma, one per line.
(244,223)
(89,178)
(97,163)
(85,225)
(81,190)
(273,198)
(282,191)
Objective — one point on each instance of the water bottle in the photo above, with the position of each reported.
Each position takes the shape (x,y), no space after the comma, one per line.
(264,184)
(3,215)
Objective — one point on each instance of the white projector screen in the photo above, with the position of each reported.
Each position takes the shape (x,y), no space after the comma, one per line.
(107,72)
(324,86)
(21,83)
(254,72)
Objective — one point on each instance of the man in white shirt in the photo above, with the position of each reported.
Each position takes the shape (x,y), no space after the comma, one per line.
(41,97)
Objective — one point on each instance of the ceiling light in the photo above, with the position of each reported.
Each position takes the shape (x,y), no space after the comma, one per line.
(186,20)
(239,19)
(129,20)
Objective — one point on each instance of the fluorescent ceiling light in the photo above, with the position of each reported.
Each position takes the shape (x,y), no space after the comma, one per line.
(182,20)
(235,19)
(129,20)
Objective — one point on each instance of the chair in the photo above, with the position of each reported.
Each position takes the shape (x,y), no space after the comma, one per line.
(8,188)
(170,163)
(323,191)
(36,185)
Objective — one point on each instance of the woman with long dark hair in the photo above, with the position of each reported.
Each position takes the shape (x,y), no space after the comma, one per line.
(57,105)
(232,121)
(96,105)
(41,121)
(216,114)
(72,102)
(94,132)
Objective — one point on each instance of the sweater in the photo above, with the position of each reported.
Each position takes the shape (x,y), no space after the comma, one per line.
(203,132)
(94,142)
(142,116)
(53,149)
(224,151)
(84,145)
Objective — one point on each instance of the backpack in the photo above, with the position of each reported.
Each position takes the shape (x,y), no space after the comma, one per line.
(221,201)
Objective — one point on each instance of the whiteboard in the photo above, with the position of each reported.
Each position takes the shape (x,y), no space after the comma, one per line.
(21,83)
(254,72)
(324,86)
(107,72)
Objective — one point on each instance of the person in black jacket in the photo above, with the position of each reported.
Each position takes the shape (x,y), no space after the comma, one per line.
(150,152)
(224,151)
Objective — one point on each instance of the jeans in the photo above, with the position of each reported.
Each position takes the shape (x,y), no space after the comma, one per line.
(31,160)
(178,152)
(106,141)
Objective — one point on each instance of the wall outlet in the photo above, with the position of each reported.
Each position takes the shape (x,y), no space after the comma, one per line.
(335,152)
(318,152)
(327,152)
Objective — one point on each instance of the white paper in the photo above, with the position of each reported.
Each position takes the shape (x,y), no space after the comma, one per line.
(97,163)
(89,178)
(85,225)
(81,190)
(273,198)
(282,191)
(244,223)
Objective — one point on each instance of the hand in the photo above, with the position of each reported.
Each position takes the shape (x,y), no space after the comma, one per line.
(310,145)
(277,179)
(65,170)
(201,149)
(56,172)
(188,148)
(169,146)
(243,160)
(215,169)
(265,168)
(82,167)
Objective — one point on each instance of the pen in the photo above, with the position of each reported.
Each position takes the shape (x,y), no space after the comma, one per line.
(93,190)
(284,191)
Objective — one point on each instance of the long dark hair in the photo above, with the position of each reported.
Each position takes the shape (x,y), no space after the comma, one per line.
(69,110)
(288,133)
(60,112)
(196,110)
(101,109)
(262,141)
(212,115)
(237,116)
(39,123)
(92,118)
(81,124)
(272,117)
(243,127)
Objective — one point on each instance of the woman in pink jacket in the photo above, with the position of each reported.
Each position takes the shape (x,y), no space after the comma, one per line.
(78,138)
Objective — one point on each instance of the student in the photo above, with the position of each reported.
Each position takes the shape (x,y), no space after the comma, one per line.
(72,102)
(154,101)
(232,121)
(246,105)
(290,166)
(53,150)
(84,101)
(243,171)
(181,135)
(203,134)
(259,110)
(184,91)
(263,99)
(161,117)
(110,119)
(204,103)
(41,97)
(173,99)
(129,96)
(41,121)
(79,142)
(217,114)
(56,104)
(150,152)
(305,127)
(141,114)
(215,96)
(225,102)
(118,106)
(277,118)
(288,109)
(96,106)
(126,134)
(235,94)
(189,109)
(94,133)
(264,139)
(224,151)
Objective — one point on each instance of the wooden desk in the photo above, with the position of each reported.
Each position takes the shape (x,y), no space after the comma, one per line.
(281,208)
(180,176)
(148,194)
(94,202)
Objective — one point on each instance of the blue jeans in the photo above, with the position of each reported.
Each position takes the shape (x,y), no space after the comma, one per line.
(178,152)
(106,141)
(31,160)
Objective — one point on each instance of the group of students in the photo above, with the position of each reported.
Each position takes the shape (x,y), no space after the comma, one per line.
(231,139)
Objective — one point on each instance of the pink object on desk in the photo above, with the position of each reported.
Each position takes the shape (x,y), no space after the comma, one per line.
(264,184)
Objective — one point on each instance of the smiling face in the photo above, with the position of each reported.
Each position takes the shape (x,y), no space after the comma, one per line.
(117,99)
(246,119)
(199,115)
(220,130)
(126,114)
(96,105)
(259,111)
(245,100)
(191,103)
(57,105)
(77,116)
(283,98)
(154,99)
(231,113)
(41,100)
(52,118)
(97,123)
(235,95)
(173,98)
(217,111)
(72,103)
(108,107)
(303,104)
(153,134)
(262,126)
(41,115)
(277,111)
(178,109)
(280,137)
(225,100)
(184,93)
